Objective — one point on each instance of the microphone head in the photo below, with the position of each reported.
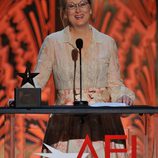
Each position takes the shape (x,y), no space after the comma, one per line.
(79,43)
(74,54)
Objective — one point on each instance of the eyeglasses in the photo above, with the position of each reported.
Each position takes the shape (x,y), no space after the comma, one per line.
(73,6)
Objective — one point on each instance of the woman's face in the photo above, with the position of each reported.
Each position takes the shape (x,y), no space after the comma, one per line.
(78,12)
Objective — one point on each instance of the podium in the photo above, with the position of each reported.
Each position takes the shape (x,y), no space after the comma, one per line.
(16,139)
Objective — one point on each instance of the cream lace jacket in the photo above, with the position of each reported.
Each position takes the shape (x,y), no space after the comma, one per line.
(101,73)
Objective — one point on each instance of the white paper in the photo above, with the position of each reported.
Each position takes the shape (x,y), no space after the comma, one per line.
(107,104)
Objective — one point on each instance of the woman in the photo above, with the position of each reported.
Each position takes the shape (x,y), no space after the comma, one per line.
(101,80)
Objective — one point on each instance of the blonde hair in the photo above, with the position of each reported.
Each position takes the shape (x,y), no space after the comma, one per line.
(62,8)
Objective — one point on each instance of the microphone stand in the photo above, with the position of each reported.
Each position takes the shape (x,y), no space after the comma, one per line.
(80,75)
(81,102)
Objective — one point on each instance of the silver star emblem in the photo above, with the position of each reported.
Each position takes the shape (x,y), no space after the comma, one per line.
(58,154)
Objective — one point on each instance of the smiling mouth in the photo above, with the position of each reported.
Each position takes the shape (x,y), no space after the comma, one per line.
(78,17)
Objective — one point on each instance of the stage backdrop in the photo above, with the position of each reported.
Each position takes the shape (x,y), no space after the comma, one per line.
(23,27)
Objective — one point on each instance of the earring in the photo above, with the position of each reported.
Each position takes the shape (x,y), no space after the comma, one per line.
(90,12)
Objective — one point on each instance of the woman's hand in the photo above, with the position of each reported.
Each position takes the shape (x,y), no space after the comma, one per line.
(125,99)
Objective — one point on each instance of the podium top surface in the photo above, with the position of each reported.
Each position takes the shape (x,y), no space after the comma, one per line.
(80,110)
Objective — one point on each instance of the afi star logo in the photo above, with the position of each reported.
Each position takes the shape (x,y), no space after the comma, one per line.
(87,142)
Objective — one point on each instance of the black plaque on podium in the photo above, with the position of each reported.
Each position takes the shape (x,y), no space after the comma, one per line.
(27,97)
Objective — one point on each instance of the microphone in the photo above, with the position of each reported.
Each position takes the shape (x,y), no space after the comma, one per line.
(79,43)
(74,54)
